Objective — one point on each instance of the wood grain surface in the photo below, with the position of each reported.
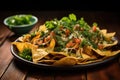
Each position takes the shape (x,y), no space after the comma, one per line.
(10,69)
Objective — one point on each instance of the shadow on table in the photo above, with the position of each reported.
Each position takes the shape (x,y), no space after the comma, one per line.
(13,37)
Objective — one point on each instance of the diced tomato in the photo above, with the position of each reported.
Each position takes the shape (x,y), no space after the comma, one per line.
(67,32)
(77,40)
(70,44)
(100,46)
(94,28)
(47,39)
(52,33)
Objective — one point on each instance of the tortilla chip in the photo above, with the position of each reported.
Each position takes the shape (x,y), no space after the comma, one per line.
(112,34)
(111,53)
(108,45)
(59,53)
(98,52)
(50,62)
(107,36)
(66,61)
(88,50)
(85,56)
(38,54)
(51,46)
(87,61)
(21,46)
(106,53)
(103,31)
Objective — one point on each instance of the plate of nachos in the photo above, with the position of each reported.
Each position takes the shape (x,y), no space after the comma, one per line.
(69,42)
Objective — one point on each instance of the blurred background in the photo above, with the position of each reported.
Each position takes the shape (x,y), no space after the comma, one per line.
(107,10)
(41,5)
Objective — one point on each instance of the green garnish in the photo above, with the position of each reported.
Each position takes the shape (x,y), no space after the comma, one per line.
(26,54)
(19,20)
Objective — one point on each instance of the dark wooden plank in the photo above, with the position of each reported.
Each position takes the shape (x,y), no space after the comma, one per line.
(4,33)
(5,57)
(110,72)
(46,74)
(14,72)
(75,76)
(113,71)
(39,76)
(35,73)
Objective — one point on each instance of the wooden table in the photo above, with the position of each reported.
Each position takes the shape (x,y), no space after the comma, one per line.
(10,69)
